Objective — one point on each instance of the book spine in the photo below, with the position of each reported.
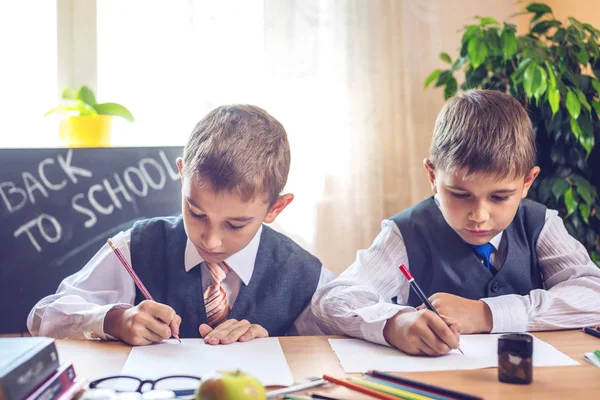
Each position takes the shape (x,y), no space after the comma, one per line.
(30,374)
(54,387)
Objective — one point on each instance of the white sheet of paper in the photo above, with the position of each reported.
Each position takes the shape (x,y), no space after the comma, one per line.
(481,351)
(261,358)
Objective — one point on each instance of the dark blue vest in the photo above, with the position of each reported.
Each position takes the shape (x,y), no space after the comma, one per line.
(440,261)
(284,279)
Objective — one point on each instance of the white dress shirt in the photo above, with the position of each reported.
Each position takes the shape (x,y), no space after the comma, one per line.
(78,308)
(358,302)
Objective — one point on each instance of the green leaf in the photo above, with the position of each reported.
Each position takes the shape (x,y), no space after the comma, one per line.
(542,27)
(570,201)
(596,85)
(554,99)
(559,187)
(583,100)
(539,83)
(584,210)
(471,30)
(77,107)
(509,43)
(574,22)
(593,47)
(450,89)
(538,8)
(529,78)
(596,106)
(573,105)
(488,21)
(551,74)
(477,51)
(69,93)
(446,58)
(114,109)
(582,55)
(86,95)
(518,74)
(591,29)
(584,188)
(587,139)
(443,78)
(559,36)
(575,128)
(458,63)
(432,77)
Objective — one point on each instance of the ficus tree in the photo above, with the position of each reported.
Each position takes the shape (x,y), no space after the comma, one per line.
(554,71)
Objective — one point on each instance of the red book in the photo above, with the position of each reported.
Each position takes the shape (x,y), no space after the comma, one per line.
(56,385)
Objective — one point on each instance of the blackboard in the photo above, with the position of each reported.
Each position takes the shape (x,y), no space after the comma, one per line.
(58,207)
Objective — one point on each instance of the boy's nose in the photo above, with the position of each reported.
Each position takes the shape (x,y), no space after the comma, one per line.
(479,215)
(211,240)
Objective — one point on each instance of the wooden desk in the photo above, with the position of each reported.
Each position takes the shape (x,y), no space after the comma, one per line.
(312,356)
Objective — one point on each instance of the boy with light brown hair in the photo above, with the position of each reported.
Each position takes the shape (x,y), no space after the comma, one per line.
(488,259)
(215,271)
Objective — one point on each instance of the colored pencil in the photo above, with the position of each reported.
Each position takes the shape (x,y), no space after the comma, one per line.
(417,289)
(322,396)
(389,390)
(133,275)
(424,386)
(358,388)
(406,387)
(292,397)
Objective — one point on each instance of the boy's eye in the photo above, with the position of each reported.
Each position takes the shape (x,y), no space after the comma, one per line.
(500,198)
(194,215)
(460,195)
(235,227)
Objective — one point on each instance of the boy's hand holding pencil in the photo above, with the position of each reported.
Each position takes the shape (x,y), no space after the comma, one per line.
(149,322)
(422,333)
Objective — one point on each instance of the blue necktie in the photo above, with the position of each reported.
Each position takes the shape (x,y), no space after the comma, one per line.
(484,251)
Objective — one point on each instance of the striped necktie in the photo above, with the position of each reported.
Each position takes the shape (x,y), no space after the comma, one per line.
(215,298)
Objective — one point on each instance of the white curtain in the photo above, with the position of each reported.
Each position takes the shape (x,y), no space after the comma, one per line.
(345,77)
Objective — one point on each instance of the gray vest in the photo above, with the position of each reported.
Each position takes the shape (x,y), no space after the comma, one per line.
(440,261)
(284,279)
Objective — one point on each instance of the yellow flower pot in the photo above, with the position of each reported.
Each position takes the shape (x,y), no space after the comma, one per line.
(88,131)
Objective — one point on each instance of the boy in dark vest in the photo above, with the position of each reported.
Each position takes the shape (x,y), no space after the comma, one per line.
(488,259)
(215,271)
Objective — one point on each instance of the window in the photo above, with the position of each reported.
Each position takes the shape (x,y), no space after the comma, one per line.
(28,73)
(170,62)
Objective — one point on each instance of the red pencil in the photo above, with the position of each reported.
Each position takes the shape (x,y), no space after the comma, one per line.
(361,389)
(133,275)
(417,289)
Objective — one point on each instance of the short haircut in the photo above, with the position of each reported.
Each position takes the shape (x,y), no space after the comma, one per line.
(241,149)
(483,131)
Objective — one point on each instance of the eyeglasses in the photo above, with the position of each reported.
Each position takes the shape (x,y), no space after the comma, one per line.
(180,385)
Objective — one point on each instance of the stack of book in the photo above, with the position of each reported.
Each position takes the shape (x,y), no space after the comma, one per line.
(30,370)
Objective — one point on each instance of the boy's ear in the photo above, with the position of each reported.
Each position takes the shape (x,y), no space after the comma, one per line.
(180,167)
(430,173)
(529,179)
(281,203)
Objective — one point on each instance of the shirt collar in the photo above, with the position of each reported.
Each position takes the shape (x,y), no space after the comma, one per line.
(495,241)
(242,262)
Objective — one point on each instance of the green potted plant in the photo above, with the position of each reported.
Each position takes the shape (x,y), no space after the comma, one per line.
(87,123)
(554,71)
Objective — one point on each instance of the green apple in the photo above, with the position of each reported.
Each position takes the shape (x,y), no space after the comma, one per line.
(230,385)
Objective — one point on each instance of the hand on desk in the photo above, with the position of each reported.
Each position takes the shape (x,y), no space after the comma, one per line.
(231,331)
(148,322)
(474,316)
(422,333)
